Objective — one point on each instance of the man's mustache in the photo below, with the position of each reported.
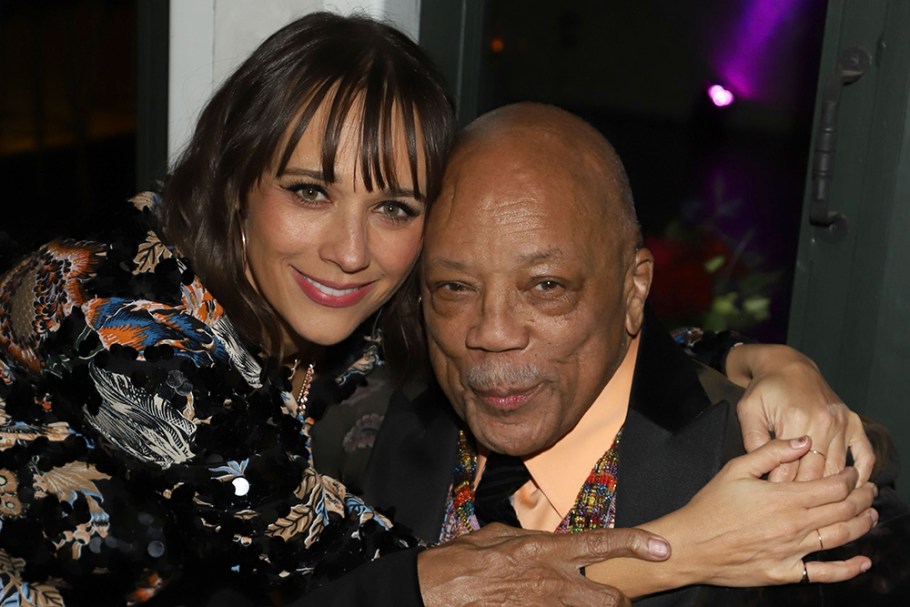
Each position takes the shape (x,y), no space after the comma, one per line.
(497,375)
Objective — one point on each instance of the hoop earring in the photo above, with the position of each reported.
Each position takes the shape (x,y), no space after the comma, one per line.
(376,331)
(242,243)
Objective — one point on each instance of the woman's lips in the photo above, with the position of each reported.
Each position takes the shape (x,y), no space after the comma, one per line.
(332,294)
(507,399)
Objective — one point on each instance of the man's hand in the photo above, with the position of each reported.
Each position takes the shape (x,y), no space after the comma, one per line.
(501,565)
(787,397)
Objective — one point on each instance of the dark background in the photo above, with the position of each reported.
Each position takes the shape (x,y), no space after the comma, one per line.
(711,184)
(67,117)
(716,187)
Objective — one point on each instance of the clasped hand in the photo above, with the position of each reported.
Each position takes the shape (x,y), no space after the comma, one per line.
(501,565)
(740,530)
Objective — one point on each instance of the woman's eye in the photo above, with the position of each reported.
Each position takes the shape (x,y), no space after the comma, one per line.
(311,192)
(397,211)
(308,192)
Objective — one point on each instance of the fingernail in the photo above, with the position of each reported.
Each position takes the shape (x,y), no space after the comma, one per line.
(658,548)
(799,443)
(874,515)
(865,566)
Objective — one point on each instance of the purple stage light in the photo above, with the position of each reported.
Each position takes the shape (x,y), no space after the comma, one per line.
(720,96)
(747,53)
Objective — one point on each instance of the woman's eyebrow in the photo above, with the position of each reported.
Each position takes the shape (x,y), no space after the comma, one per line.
(401,192)
(298,171)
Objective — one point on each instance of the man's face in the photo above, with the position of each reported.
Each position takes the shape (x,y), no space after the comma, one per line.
(525,295)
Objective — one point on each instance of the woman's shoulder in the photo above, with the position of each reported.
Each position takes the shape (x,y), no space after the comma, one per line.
(125,285)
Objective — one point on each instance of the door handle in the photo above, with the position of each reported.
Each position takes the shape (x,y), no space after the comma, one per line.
(852,63)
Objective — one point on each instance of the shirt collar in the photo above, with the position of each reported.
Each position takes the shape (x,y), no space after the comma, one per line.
(560,471)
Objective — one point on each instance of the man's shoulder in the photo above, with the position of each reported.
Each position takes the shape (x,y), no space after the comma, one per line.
(716,385)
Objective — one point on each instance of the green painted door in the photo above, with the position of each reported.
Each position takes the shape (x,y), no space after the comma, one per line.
(851,304)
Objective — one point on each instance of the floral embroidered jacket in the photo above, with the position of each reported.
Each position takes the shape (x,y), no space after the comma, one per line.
(141,442)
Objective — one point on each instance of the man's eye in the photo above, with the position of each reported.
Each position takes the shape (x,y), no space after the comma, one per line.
(547,285)
(450,290)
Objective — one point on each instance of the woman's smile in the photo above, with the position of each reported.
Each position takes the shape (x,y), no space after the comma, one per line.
(332,294)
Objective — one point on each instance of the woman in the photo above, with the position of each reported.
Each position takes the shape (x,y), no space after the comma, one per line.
(157,389)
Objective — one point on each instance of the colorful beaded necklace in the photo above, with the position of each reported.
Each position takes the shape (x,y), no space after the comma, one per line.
(595,506)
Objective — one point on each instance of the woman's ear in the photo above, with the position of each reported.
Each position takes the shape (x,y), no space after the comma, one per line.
(638,283)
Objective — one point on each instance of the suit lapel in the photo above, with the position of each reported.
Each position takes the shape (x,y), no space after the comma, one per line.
(673,439)
(410,470)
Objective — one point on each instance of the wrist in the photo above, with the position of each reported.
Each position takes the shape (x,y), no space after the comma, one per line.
(684,567)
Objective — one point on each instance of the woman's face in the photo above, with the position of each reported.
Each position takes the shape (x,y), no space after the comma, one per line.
(324,254)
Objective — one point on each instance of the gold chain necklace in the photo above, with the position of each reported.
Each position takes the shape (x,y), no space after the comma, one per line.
(304,391)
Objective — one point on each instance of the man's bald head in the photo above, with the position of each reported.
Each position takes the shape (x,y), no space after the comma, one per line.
(532,278)
(547,136)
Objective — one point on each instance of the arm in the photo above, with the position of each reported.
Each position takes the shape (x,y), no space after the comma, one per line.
(785,397)
(722,538)
(503,565)
(495,565)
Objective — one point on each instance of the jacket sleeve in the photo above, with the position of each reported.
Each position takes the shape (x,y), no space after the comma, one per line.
(709,347)
(387,582)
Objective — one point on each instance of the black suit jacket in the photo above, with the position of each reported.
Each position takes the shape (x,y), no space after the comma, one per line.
(680,429)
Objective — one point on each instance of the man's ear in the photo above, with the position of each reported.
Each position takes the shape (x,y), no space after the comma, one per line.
(638,284)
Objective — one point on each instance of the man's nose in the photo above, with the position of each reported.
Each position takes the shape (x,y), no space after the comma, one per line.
(347,242)
(498,326)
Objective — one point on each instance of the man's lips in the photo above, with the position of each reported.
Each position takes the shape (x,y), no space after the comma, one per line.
(507,399)
(332,294)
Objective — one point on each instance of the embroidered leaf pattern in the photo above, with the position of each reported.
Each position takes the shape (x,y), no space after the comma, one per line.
(45,595)
(67,483)
(304,517)
(17,593)
(150,252)
(68,480)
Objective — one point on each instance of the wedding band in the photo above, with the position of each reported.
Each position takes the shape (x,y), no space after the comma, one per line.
(817,452)
(820,542)
(805,579)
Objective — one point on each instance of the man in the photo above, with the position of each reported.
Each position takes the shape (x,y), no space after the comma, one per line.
(534,288)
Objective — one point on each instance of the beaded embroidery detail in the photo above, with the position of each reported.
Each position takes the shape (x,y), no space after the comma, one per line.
(595,506)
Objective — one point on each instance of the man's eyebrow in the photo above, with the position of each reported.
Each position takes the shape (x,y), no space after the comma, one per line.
(446,264)
(526,259)
(551,254)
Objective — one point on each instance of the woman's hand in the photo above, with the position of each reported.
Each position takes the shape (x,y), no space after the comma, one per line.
(501,565)
(786,397)
(740,530)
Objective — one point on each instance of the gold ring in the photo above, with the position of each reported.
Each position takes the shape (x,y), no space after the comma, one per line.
(805,579)
(817,452)
(820,542)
